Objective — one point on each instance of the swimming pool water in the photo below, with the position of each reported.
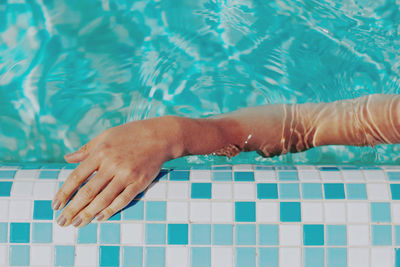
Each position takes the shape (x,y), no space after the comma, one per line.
(70,69)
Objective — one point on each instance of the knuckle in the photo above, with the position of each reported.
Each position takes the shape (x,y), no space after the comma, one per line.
(125,199)
(109,211)
(86,192)
(86,215)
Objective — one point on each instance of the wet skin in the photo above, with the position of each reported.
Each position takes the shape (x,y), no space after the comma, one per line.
(124,160)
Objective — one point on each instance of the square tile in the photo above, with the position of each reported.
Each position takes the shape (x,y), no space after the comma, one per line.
(4,255)
(155,191)
(245,234)
(358,212)
(22,189)
(3,232)
(134,212)
(5,189)
(267,212)
(336,235)
(381,235)
(222,191)
(86,255)
(200,211)
(132,256)
(290,212)
(26,174)
(374,175)
(268,257)
(267,191)
(244,176)
(358,257)
(335,212)
(155,233)
(156,210)
(356,191)
(290,235)
(20,210)
(358,235)
(313,257)
(380,212)
(200,234)
(63,235)
(245,211)
(382,257)
(41,255)
(336,257)
(177,256)
(313,234)
(311,191)
(221,257)
(395,190)
(200,175)
(48,174)
(312,212)
(109,255)
(177,211)
(88,234)
(200,257)
(201,190)
(289,257)
(19,232)
(222,234)
(6,174)
(288,175)
(221,176)
(244,191)
(132,233)
(42,210)
(309,175)
(245,256)
(154,257)
(42,232)
(19,255)
(179,175)
(289,191)
(222,211)
(268,234)
(334,191)
(378,192)
(110,233)
(264,175)
(178,190)
(44,190)
(177,234)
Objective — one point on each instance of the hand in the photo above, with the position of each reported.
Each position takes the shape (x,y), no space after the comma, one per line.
(127,158)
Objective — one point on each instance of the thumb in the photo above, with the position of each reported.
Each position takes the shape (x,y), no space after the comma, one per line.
(78,155)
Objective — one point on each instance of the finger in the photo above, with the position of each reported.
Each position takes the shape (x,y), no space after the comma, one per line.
(101,201)
(74,180)
(84,196)
(121,201)
(78,155)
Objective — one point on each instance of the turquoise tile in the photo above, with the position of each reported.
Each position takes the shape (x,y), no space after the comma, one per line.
(42,232)
(201,190)
(69,166)
(179,175)
(289,191)
(88,234)
(200,257)
(200,234)
(268,234)
(311,191)
(222,234)
(397,235)
(381,235)
(334,191)
(109,256)
(132,256)
(313,257)
(134,212)
(155,257)
(397,257)
(380,212)
(290,212)
(286,167)
(221,167)
(162,175)
(288,175)
(336,235)
(267,168)
(42,210)
(3,232)
(395,190)
(245,211)
(356,191)
(268,257)
(393,176)
(328,168)
(177,234)
(245,256)
(7,174)
(5,189)
(245,234)
(19,232)
(244,176)
(156,210)
(31,166)
(115,217)
(267,191)
(313,234)
(48,174)
(109,233)
(19,255)
(336,257)
(222,176)
(64,255)
(155,233)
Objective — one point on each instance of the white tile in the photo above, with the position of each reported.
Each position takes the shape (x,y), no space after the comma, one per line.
(377,191)
(64,173)
(395,212)
(358,257)
(200,175)
(242,167)
(264,175)
(178,190)
(221,191)
(177,211)
(244,191)
(305,167)
(358,235)
(41,255)
(289,235)
(26,174)
(289,257)
(22,189)
(374,175)
(86,255)
(4,210)
(132,233)
(20,210)
(331,176)
(177,256)
(221,257)
(312,212)
(63,235)
(44,189)
(200,211)
(222,212)
(353,175)
(308,175)
(267,211)
(335,212)
(3,255)
(157,191)
(358,212)
(381,257)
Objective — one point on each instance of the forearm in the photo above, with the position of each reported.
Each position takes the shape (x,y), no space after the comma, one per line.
(280,128)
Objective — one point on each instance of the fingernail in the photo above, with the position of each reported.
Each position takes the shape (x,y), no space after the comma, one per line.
(77,221)
(100,217)
(61,220)
(56,204)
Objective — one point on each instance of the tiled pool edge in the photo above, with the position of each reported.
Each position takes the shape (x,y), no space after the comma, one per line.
(206,194)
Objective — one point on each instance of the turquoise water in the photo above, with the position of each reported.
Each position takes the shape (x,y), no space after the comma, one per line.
(70,69)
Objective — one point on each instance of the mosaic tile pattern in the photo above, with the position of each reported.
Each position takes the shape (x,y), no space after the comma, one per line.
(241,215)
